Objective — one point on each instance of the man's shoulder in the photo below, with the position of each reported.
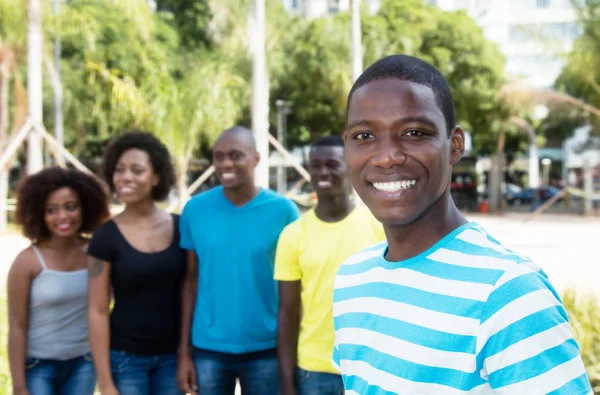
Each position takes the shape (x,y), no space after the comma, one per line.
(473,247)
(274,197)
(207,197)
(274,201)
(370,253)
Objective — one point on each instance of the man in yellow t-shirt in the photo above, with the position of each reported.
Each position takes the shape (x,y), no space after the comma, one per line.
(309,254)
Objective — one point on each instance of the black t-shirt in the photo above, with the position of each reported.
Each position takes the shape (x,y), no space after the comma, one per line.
(145,319)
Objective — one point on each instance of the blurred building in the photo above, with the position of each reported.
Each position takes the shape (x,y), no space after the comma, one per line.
(535,35)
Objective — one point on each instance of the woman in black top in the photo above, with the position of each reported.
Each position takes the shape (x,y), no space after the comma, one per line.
(136,257)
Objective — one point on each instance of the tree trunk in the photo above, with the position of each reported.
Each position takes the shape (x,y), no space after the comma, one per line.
(357,66)
(182,186)
(57,86)
(34,84)
(496,176)
(260,91)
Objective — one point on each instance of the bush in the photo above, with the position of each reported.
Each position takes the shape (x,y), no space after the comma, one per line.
(5,382)
(584,315)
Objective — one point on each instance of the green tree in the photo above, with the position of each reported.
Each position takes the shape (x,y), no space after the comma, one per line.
(455,44)
(581,76)
(190,18)
(121,39)
(315,75)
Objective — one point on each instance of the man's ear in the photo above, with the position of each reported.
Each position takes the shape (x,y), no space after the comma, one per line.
(457,144)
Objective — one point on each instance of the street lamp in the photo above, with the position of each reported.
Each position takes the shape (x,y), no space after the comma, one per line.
(546,163)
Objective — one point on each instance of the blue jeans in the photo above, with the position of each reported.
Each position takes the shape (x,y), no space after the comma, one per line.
(53,377)
(315,383)
(143,374)
(217,372)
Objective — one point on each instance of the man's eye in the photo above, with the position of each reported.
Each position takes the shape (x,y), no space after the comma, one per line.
(414,133)
(363,136)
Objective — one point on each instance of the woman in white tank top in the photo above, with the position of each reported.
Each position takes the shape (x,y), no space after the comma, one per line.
(49,350)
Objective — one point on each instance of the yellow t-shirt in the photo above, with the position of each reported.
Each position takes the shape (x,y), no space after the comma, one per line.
(311,250)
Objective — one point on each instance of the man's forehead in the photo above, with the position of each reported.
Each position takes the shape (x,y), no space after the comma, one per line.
(392,96)
(234,142)
(325,151)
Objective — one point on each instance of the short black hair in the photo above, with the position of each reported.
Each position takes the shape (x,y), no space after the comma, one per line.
(160,158)
(34,190)
(329,141)
(409,68)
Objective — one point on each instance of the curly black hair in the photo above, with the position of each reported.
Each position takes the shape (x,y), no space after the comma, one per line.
(160,158)
(34,190)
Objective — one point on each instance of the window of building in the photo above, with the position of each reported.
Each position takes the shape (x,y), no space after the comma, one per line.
(333,6)
(542,3)
(542,32)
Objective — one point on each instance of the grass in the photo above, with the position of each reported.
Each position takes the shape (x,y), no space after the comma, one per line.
(5,382)
(583,311)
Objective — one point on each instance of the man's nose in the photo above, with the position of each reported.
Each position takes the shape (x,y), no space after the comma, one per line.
(388,154)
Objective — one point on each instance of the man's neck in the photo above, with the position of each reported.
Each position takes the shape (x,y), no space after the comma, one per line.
(407,241)
(334,208)
(242,195)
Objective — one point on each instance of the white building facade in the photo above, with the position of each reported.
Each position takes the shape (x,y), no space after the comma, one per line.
(535,35)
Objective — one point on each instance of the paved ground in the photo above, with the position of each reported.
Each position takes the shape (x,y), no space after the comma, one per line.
(566,246)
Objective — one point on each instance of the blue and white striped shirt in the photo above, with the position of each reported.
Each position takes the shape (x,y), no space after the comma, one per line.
(466,316)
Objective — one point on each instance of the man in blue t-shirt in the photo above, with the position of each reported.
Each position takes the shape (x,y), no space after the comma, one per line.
(229,305)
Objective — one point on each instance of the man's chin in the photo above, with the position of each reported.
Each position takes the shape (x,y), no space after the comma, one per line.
(231,184)
(395,216)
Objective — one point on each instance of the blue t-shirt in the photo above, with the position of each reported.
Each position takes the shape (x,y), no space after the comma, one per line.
(236,305)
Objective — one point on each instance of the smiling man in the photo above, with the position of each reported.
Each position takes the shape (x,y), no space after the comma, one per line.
(441,307)
(309,253)
(229,295)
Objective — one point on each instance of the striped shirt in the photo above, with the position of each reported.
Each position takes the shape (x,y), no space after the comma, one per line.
(466,316)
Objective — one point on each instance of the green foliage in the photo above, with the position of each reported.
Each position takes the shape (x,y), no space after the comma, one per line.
(583,311)
(190,18)
(581,75)
(315,74)
(315,77)
(5,381)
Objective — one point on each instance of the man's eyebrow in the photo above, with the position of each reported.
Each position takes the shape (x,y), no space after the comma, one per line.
(360,122)
(423,120)
(417,119)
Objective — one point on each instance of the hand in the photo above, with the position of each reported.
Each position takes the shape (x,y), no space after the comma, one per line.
(21,392)
(112,390)
(186,375)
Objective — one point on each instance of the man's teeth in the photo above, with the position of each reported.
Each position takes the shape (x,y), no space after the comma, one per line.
(228,175)
(394,186)
(324,184)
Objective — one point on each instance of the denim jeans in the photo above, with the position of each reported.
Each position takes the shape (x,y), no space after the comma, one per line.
(143,374)
(53,377)
(258,372)
(315,383)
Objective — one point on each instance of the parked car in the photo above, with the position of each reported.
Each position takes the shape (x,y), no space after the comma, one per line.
(526,195)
